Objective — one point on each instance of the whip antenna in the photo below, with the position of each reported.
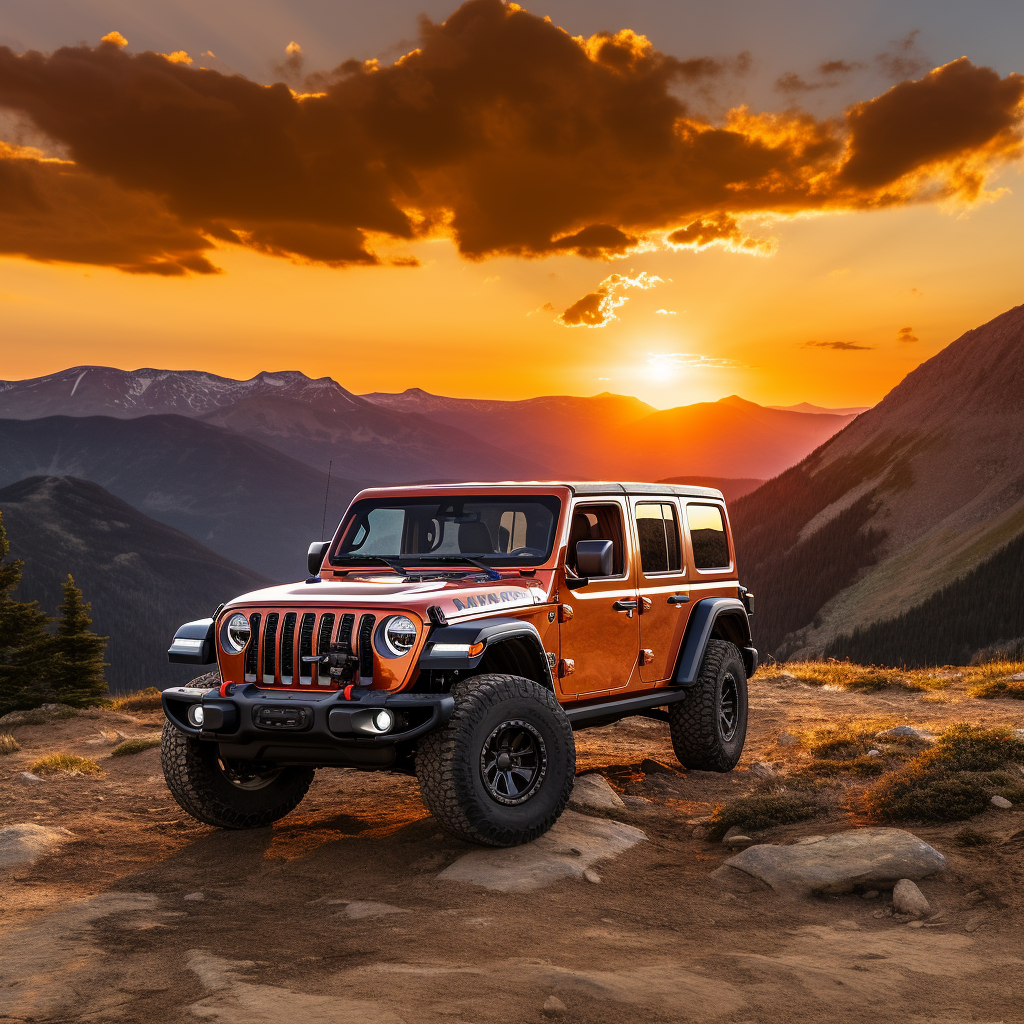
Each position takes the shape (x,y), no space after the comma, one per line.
(323,525)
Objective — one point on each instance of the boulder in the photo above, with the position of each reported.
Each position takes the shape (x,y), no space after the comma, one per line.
(763,770)
(863,857)
(906,732)
(908,899)
(592,793)
(574,843)
(22,845)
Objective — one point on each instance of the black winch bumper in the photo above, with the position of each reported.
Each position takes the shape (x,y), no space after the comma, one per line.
(306,728)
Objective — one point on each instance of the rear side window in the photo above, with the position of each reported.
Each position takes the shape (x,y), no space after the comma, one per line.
(707,533)
(658,532)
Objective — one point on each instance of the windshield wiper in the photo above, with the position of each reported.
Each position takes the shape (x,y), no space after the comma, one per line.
(391,563)
(463,559)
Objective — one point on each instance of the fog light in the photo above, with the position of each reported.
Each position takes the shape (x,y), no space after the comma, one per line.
(196,715)
(383,720)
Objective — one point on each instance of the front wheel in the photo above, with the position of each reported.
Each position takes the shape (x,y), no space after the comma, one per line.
(501,769)
(709,726)
(227,794)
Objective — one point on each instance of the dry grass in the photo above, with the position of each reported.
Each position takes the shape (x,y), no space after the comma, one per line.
(65,764)
(141,700)
(8,744)
(135,746)
(983,681)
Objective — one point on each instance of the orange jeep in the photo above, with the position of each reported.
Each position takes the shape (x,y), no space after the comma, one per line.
(461,633)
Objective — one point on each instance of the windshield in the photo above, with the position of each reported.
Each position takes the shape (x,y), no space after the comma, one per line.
(498,530)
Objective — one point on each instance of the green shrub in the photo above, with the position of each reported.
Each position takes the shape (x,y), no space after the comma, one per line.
(135,746)
(968,836)
(762,810)
(65,764)
(8,744)
(917,794)
(969,748)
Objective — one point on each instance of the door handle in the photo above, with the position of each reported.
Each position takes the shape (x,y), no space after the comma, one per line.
(627,604)
(679,599)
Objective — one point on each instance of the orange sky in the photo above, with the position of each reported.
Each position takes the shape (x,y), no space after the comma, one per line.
(826,317)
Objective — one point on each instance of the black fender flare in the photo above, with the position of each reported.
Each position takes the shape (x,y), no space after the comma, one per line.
(701,625)
(488,632)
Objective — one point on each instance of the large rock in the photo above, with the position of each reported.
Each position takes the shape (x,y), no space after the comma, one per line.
(22,845)
(908,899)
(575,842)
(872,857)
(593,793)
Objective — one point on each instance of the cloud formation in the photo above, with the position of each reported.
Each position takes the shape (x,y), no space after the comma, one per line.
(906,334)
(501,131)
(597,308)
(720,230)
(839,346)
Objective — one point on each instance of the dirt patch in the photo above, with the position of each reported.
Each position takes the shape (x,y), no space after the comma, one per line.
(340,913)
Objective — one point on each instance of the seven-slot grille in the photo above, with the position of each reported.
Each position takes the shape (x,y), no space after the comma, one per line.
(280,643)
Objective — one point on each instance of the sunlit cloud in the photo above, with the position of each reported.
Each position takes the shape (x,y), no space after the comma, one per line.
(597,308)
(500,132)
(906,334)
(666,312)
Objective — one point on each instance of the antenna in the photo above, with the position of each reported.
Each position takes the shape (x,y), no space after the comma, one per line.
(323,525)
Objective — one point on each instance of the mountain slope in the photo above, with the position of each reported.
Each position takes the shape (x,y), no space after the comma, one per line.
(613,437)
(247,502)
(143,578)
(912,495)
(315,421)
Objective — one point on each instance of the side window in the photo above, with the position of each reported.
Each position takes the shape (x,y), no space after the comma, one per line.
(597,522)
(707,532)
(658,531)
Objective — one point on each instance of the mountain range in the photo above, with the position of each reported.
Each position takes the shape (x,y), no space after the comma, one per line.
(142,578)
(919,496)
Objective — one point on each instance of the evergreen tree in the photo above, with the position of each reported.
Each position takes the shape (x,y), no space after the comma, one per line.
(77,672)
(26,647)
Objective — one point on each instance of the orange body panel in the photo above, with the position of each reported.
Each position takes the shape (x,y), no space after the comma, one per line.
(593,648)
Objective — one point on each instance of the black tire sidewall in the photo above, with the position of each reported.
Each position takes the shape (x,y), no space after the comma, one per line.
(732,665)
(547,798)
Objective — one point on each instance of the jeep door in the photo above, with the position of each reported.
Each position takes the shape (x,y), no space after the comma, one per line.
(601,640)
(663,588)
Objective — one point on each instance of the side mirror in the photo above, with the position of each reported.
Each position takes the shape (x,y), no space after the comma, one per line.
(315,556)
(595,557)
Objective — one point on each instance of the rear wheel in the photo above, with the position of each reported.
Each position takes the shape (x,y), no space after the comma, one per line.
(228,794)
(708,727)
(500,770)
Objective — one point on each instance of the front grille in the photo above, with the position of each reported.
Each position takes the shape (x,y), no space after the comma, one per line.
(281,640)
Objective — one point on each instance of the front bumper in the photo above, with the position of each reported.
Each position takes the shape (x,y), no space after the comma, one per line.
(306,728)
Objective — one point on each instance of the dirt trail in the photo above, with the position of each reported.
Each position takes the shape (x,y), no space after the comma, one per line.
(337,914)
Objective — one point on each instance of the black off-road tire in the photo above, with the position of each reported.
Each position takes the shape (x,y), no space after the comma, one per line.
(701,736)
(451,761)
(198,781)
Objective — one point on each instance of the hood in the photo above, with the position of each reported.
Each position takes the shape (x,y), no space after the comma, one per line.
(457,598)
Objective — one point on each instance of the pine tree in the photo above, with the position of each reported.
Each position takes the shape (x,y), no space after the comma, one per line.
(26,648)
(77,672)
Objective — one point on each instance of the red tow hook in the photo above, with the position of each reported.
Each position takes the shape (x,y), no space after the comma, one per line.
(226,689)
(348,691)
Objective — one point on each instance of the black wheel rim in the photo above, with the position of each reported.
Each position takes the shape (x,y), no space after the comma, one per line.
(513,762)
(729,708)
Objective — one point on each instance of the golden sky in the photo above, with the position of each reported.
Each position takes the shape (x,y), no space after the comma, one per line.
(507,211)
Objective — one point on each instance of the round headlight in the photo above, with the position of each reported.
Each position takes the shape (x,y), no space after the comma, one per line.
(399,635)
(236,634)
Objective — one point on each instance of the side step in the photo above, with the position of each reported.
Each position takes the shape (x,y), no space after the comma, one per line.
(607,711)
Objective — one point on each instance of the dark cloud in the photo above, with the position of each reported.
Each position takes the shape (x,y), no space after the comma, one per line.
(839,346)
(791,82)
(501,131)
(903,59)
(52,211)
(839,67)
(906,334)
(722,230)
(597,308)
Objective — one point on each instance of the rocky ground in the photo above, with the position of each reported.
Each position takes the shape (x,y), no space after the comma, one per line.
(358,909)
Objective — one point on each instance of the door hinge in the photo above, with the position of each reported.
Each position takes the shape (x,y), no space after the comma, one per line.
(646,656)
(566,667)
(565,612)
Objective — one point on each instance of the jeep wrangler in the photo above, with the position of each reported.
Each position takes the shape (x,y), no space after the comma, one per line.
(461,633)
